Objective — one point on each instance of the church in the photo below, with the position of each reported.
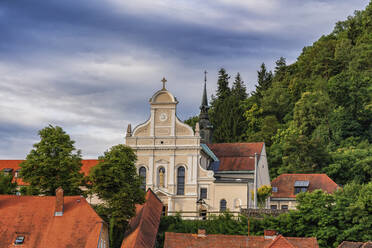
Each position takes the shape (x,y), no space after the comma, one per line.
(189,173)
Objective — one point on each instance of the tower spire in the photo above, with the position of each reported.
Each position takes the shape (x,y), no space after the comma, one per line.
(204,98)
(205,126)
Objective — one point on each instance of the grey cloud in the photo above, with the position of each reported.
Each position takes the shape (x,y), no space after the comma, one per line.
(91,66)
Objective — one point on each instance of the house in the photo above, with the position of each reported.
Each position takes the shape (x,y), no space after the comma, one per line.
(202,240)
(186,171)
(349,244)
(50,221)
(143,227)
(10,166)
(286,186)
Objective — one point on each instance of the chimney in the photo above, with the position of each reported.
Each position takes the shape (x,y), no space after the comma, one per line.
(59,202)
(201,233)
(270,234)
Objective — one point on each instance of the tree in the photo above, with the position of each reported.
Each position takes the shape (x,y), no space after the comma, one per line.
(264,80)
(115,181)
(351,163)
(223,89)
(192,121)
(238,95)
(220,111)
(54,162)
(6,184)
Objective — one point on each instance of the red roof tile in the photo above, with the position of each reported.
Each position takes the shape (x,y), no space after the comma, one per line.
(183,240)
(144,226)
(236,156)
(14,164)
(33,217)
(285,184)
(349,244)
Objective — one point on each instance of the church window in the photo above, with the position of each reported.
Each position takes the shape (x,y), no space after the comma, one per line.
(203,193)
(181,180)
(142,173)
(161,177)
(223,204)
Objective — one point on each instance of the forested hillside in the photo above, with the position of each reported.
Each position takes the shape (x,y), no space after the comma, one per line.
(314,115)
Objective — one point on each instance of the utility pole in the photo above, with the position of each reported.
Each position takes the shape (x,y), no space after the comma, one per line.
(255,181)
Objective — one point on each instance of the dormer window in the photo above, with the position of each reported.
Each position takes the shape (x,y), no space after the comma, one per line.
(7,171)
(19,240)
(300,186)
(275,189)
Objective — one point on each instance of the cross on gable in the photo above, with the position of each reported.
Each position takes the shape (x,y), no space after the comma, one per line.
(164,81)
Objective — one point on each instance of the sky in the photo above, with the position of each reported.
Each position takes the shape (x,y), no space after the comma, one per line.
(90,66)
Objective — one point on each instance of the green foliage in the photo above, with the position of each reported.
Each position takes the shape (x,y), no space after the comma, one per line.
(306,111)
(351,162)
(115,181)
(226,112)
(7,187)
(263,193)
(192,121)
(264,80)
(53,162)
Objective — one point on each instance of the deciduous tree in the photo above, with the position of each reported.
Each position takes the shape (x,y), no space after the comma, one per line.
(53,162)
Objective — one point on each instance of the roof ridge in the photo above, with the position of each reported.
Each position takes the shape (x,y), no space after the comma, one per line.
(277,239)
(261,142)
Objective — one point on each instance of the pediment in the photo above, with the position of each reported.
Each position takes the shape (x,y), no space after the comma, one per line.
(162,161)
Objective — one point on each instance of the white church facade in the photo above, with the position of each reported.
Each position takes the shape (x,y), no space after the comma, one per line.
(188,173)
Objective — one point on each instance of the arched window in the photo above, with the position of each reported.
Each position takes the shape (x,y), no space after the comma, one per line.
(223,205)
(142,173)
(181,180)
(161,177)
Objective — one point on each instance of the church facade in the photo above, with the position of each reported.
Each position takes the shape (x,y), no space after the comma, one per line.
(188,173)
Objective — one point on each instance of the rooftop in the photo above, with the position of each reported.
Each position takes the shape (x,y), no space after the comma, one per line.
(144,226)
(183,240)
(32,217)
(236,156)
(285,184)
(349,244)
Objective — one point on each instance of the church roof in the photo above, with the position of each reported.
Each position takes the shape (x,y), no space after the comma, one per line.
(285,184)
(144,226)
(236,156)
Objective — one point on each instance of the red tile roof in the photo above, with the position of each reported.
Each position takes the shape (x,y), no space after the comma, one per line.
(236,156)
(183,240)
(144,226)
(285,184)
(14,164)
(33,217)
(349,244)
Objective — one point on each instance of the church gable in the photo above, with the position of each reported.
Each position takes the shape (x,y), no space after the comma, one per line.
(163,97)
(183,129)
(142,130)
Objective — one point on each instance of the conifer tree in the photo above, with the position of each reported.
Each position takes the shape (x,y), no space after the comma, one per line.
(264,80)
(220,111)
(238,95)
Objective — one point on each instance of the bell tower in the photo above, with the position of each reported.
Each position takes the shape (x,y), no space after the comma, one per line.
(205,125)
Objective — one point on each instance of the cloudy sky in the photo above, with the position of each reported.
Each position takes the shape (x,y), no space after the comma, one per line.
(90,66)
